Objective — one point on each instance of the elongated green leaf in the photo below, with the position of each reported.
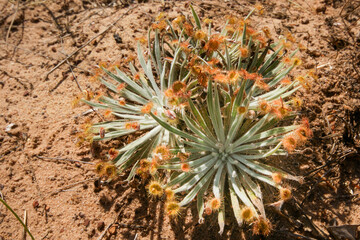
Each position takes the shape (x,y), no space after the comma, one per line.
(262,144)
(221,214)
(133,97)
(196,17)
(216,185)
(174,35)
(109,85)
(200,147)
(201,120)
(121,77)
(238,189)
(200,159)
(205,166)
(115,134)
(251,132)
(172,79)
(218,115)
(270,60)
(123,157)
(254,59)
(193,162)
(267,154)
(162,79)
(158,52)
(193,127)
(253,191)
(147,69)
(254,174)
(235,205)
(200,201)
(131,117)
(176,131)
(214,112)
(272,132)
(142,139)
(192,194)
(189,184)
(133,172)
(180,179)
(17,217)
(228,58)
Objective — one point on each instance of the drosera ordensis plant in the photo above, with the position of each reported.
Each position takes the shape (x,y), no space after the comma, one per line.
(210,107)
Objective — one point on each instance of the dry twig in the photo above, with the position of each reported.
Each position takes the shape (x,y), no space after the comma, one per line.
(320,234)
(54,18)
(25,222)
(63,159)
(105,231)
(67,187)
(12,21)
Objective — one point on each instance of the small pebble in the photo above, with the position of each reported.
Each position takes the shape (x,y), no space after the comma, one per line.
(36,204)
(10,126)
(305,21)
(321,9)
(100,226)
(86,222)
(279,15)
(117,38)
(112,230)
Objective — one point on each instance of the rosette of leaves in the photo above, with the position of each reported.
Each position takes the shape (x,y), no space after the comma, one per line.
(203,54)
(227,144)
(232,128)
(236,103)
(131,99)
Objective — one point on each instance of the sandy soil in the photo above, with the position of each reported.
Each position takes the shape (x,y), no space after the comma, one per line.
(38,126)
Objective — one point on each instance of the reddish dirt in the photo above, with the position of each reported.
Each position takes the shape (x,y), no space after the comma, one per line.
(63,200)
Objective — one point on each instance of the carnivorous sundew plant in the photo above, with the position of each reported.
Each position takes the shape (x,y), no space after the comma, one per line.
(209,108)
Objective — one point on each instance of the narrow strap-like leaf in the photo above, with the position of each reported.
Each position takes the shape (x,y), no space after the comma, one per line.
(205,166)
(251,132)
(267,154)
(196,17)
(254,174)
(193,127)
(238,188)
(171,79)
(189,184)
(272,132)
(133,96)
(175,130)
(200,201)
(216,184)
(199,117)
(270,60)
(121,77)
(142,139)
(147,69)
(228,58)
(203,182)
(158,52)
(235,205)
(262,144)
(199,146)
